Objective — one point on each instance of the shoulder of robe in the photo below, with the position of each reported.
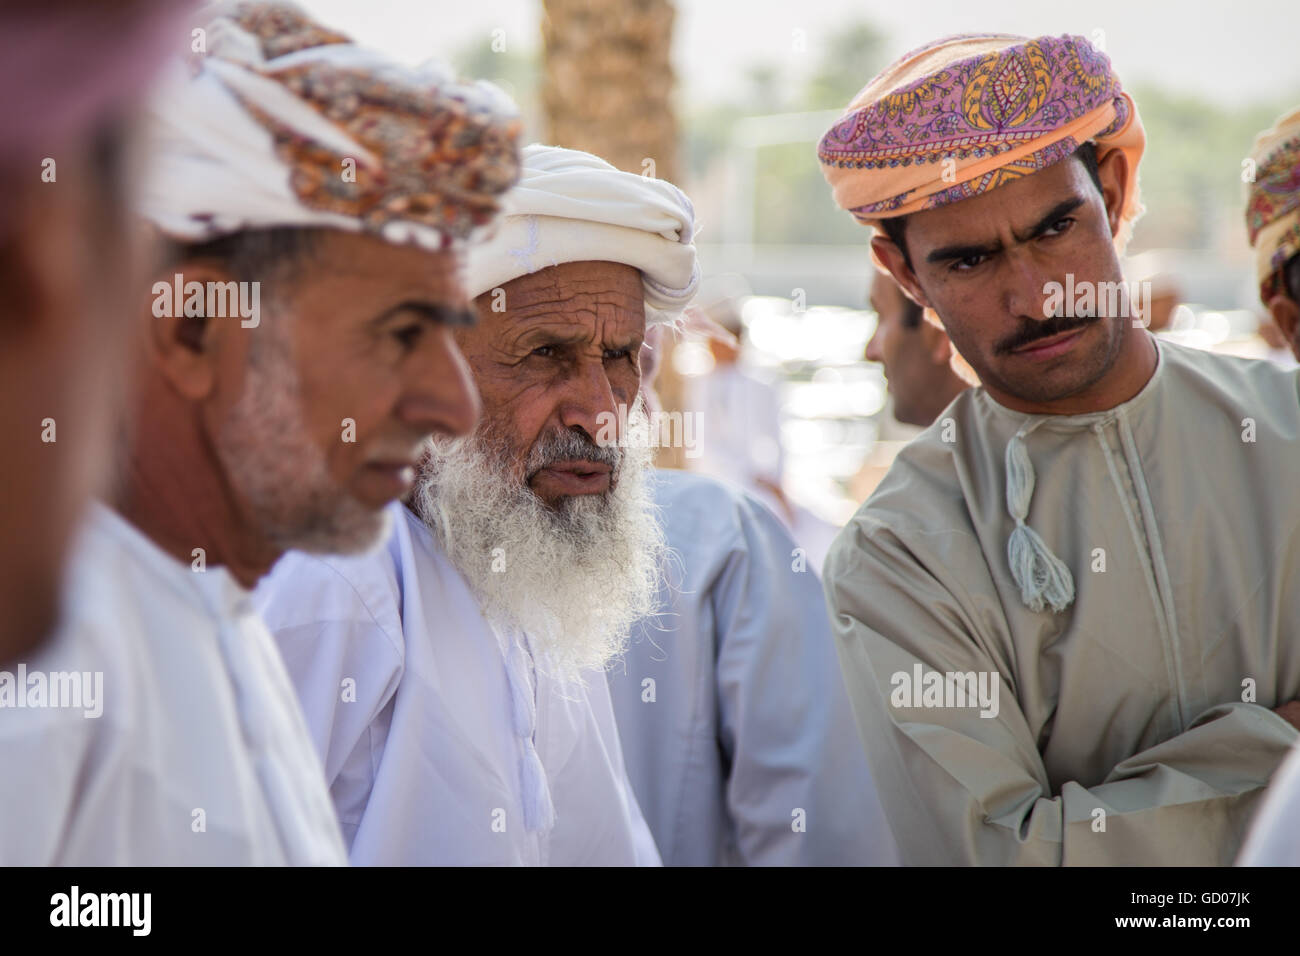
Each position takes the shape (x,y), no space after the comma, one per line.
(921,495)
(308,589)
(1256,388)
(706,515)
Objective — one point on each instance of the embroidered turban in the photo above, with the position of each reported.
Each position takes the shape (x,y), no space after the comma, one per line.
(280,121)
(969,113)
(571,206)
(1273,202)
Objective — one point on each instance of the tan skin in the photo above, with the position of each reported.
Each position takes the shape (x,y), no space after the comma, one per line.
(68,265)
(1008,243)
(916,360)
(564,351)
(982,265)
(1286,313)
(372,341)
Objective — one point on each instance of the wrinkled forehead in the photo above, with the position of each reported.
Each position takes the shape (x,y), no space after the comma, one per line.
(594,297)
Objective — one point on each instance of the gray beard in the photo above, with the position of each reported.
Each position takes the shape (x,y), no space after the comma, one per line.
(573,578)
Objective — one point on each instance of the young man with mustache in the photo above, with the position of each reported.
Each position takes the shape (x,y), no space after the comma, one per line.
(1106,526)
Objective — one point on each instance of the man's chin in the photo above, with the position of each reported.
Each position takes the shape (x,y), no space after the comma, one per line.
(354,529)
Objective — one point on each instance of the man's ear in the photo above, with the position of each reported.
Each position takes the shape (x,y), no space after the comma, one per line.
(892,257)
(1114,173)
(186,348)
(1286,313)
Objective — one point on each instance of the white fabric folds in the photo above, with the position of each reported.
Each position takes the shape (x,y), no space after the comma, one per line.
(571,206)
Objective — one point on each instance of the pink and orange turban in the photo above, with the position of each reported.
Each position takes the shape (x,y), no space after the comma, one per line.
(969,113)
(1273,202)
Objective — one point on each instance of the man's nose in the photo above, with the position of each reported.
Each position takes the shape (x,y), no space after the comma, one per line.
(1026,290)
(589,402)
(440,397)
(874,353)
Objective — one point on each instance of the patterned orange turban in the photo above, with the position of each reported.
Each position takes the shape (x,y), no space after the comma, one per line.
(1273,203)
(969,113)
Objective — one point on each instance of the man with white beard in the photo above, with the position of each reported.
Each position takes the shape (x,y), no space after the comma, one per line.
(453,682)
(175,737)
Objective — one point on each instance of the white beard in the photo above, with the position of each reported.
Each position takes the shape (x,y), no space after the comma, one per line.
(279,472)
(574,578)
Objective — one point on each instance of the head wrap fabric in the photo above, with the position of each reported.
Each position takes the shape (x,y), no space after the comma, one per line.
(571,206)
(283,122)
(969,113)
(1273,202)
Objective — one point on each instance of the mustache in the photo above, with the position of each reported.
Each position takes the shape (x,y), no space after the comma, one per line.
(1032,332)
(570,444)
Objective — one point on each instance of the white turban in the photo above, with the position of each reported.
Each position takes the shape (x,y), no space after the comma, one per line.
(284,122)
(571,206)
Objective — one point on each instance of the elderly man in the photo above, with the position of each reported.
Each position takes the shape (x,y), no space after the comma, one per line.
(67,269)
(735,724)
(1273,225)
(1062,625)
(915,353)
(283,413)
(452,681)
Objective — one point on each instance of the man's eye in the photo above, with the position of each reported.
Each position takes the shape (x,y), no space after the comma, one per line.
(1060,226)
(408,335)
(544,351)
(617,353)
(967,263)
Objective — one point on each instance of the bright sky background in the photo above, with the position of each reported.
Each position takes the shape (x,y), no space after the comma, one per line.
(1229,51)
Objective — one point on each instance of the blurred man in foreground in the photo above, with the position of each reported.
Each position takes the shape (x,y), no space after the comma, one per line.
(69,263)
(297,353)
(1057,652)
(479,729)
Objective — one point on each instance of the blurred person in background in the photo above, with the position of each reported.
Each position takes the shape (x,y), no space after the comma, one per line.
(915,353)
(735,724)
(740,408)
(1273,223)
(280,405)
(72,71)
(1044,630)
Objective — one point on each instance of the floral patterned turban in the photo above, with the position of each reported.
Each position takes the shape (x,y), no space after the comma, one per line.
(280,121)
(1273,202)
(969,113)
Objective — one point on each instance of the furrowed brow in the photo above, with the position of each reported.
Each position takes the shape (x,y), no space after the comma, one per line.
(1053,216)
(1045,222)
(949,253)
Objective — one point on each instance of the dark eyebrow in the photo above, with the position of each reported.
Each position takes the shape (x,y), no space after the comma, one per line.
(1053,215)
(453,316)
